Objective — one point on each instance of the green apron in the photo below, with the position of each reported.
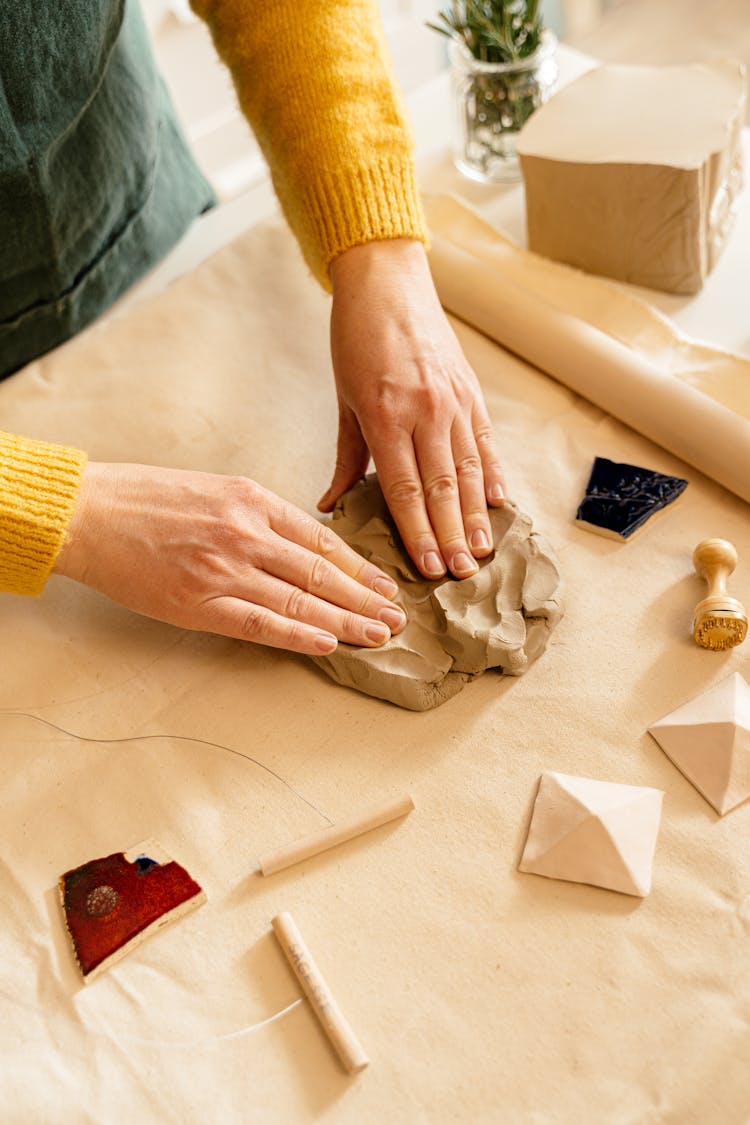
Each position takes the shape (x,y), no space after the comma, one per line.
(96,180)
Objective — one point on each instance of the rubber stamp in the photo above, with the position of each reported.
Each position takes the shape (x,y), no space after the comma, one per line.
(719,621)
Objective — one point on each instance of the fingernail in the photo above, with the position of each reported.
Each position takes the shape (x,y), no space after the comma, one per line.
(464,564)
(479,540)
(395,619)
(378,634)
(432,564)
(325,643)
(385,586)
(496,493)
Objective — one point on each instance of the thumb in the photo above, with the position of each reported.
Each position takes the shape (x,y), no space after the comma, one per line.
(352,459)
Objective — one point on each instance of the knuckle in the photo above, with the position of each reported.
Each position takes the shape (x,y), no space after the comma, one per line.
(385,421)
(325,541)
(469,466)
(319,575)
(257,550)
(405,493)
(255,624)
(362,571)
(365,603)
(351,626)
(232,526)
(441,487)
(297,604)
(207,567)
(431,401)
(295,636)
(466,389)
(484,436)
(243,493)
(241,516)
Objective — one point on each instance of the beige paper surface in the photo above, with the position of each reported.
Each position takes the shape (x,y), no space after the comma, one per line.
(481,994)
(600,342)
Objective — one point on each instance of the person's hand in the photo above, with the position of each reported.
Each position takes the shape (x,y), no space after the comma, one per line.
(408,397)
(224,555)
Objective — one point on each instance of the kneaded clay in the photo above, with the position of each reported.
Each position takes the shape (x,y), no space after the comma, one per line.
(499,618)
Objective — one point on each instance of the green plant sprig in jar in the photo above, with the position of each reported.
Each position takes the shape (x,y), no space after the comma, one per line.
(503,65)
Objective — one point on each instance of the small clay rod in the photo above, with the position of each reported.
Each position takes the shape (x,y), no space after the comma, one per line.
(335,1023)
(311,845)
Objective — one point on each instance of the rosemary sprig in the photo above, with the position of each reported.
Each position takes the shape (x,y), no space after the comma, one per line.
(495,31)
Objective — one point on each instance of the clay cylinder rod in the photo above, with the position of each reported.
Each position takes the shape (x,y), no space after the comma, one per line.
(334,1022)
(285,856)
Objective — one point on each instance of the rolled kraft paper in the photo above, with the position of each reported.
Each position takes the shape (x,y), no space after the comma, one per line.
(675,415)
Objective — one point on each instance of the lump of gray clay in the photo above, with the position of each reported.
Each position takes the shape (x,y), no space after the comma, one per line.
(500,618)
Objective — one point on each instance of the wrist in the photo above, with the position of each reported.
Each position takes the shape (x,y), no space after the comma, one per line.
(71,559)
(400,257)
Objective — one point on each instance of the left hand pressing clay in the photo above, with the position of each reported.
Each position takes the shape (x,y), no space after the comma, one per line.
(501,617)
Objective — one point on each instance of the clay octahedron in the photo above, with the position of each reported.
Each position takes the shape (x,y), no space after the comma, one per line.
(708,739)
(595,832)
(501,617)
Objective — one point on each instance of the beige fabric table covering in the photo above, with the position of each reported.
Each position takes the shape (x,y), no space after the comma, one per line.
(480,994)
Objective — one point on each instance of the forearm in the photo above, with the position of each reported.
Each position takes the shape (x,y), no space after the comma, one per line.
(314,82)
(39,485)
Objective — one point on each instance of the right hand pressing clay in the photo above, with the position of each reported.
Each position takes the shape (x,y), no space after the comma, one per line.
(501,617)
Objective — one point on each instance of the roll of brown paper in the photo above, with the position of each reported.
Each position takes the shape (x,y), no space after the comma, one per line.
(696,427)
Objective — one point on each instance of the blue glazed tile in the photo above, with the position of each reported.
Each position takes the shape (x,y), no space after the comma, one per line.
(621,498)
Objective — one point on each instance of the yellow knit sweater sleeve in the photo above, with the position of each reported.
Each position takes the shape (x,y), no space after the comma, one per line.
(313,79)
(39,484)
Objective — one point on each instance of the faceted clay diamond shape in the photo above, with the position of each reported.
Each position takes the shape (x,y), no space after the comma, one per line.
(708,739)
(594,832)
(620,498)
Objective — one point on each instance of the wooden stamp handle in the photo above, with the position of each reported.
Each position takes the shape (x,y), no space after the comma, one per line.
(715,560)
(720,621)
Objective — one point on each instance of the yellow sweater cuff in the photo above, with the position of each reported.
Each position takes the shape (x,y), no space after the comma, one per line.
(39,485)
(351,206)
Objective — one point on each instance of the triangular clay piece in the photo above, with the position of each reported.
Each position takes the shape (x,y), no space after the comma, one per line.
(114,903)
(621,498)
(708,739)
(593,832)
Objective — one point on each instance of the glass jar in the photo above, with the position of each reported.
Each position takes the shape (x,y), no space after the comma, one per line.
(494,100)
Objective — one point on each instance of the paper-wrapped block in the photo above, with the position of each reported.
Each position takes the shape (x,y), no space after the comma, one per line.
(634,171)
